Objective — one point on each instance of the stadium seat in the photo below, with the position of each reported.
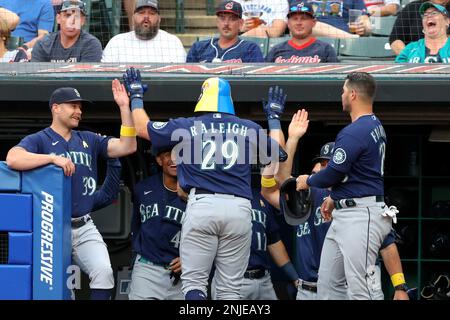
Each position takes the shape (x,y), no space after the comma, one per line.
(14,42)
(334,42)
(382,26)
(365,48)
(263,43)
(274,41)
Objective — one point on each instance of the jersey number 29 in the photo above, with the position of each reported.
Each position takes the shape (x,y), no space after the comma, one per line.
(229,152)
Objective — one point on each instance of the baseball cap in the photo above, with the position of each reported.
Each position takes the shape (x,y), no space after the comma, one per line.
(65,94)
(230,6)
(427,5)
(326,152)
(301,7)
(146,3)
(73,4)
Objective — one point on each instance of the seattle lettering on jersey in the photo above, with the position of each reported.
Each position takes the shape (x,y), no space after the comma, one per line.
(78,158)
(304,228)
(152,210)
(297,59)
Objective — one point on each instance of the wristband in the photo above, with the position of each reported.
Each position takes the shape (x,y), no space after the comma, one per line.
(268,182)
(137,103)
(127,131)
(274,124)
(398,279)
(289,270)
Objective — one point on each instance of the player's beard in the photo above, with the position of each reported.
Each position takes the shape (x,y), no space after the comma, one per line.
(146,33)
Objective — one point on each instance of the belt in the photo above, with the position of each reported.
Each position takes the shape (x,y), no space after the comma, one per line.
(79,222)
(310,286)
(348,203)
(144,260)
(255,274)
(203,191)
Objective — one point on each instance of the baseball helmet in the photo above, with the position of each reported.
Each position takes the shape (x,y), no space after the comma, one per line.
(215,97)
(294,204)
(326,152)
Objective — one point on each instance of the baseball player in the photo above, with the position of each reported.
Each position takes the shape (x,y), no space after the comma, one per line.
(361,219)
(156,230)
(228,47)
(214,159)
(77,152)
(310,234)
(266,240)
(302,47)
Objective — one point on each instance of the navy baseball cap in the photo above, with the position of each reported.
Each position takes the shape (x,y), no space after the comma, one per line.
(301,7)
(326,152)
(73,4)
(146,3)
(426,5)
(65,94)
(230,6)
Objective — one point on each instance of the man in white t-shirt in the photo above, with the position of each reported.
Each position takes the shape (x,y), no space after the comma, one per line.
(147,42)
(264,18)
(382,8)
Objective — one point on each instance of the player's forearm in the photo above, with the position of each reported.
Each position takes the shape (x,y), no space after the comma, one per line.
(20,159)
(32,42)
(325,178)
(278,253)
(285,170)
(141,119)
(391,259)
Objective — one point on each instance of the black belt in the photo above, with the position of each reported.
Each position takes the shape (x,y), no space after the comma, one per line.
(255,274)
(80,222)
(348,203)
(203,191)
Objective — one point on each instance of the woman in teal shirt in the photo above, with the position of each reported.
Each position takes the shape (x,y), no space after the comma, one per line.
(435,47)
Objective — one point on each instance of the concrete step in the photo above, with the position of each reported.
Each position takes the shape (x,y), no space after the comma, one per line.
(192,21)
(188,4)
(187,12)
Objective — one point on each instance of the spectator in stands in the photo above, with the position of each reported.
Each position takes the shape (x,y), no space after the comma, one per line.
(227,47)
(382,8)
(36,19)
(435,47)
(70,43)
(264,18)
(8,21)
(147,42)
(333,18)
(408,25)
(302,47)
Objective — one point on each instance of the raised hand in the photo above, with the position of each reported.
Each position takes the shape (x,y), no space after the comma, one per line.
(133,83)
(299,124)
(274,106)
(120,94)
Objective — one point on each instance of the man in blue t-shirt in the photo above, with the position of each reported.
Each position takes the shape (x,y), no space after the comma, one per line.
(36,19)
(214,152)
(70,44)
(302,47)
(228,47)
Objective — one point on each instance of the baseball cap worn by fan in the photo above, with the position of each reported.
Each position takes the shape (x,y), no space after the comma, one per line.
(73,4)
(146,3)
(326,152)
(65,94)
(301,7)
(426,5)
(230,6)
